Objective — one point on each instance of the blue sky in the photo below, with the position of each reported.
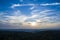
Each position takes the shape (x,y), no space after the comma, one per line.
(29,14)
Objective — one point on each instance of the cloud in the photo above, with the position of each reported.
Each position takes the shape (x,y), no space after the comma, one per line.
(50,26)
(50,4)
(14,21)
(16,17)
(18,20)
(34,5)
(42,16)
(45,11)
(16,5)
(34,11)
(42,13)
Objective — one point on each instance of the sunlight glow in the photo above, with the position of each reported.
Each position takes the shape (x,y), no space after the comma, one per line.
(33,24)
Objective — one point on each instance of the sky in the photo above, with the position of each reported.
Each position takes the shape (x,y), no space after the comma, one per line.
(29,14)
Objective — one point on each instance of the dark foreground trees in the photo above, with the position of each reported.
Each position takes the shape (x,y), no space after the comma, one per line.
(43,35)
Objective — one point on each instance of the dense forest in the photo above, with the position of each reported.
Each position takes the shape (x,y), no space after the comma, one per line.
(42,35)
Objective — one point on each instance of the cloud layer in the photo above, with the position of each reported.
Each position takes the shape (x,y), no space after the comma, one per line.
(30,16)
(41,18)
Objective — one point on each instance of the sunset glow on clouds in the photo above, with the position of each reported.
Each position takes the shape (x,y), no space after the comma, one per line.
(24,14)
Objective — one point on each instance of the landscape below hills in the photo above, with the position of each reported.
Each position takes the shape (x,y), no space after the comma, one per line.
(29,34)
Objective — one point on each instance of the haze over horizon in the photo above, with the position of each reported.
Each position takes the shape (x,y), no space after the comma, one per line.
(29,14)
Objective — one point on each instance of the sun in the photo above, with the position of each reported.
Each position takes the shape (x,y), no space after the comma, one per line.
(33,24)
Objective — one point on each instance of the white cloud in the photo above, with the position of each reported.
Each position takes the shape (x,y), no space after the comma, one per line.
(40,14)
(49,4)
(45,11)
(17,13)
(16,17)
(40,17)
(34,11)
(16,5)
(34,5)
(33,16)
